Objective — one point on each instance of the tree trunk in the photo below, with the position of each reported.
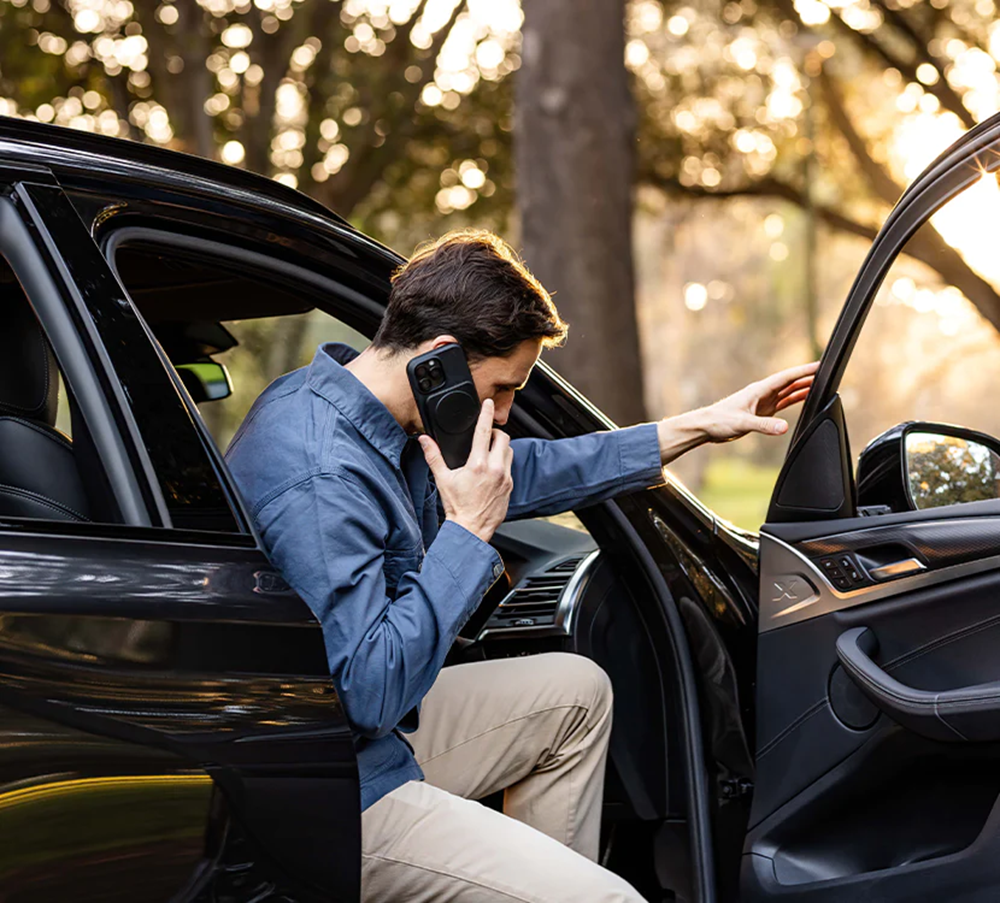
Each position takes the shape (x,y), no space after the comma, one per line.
(573,152)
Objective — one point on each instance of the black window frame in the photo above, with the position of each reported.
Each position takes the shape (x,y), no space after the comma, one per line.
(79,354)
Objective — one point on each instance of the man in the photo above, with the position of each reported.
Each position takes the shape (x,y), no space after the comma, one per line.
(347,505)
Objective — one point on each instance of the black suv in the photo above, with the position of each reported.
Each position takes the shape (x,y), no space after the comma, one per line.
(827,729)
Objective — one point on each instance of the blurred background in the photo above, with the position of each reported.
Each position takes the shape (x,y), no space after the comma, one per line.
(696,184)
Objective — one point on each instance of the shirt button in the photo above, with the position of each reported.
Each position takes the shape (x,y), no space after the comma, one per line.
(497,570)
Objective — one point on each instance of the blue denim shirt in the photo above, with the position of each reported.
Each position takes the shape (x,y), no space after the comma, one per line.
(347,510)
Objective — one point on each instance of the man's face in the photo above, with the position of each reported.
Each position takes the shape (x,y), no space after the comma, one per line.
(499,377)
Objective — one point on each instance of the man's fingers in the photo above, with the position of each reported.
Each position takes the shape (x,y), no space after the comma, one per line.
(484,430)
(789,400)
(803,383)
(432,455)
(499,446)
(777,381)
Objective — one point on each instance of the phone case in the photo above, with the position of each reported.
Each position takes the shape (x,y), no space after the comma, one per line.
(446,399)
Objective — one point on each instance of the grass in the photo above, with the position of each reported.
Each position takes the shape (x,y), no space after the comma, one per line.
(738,490)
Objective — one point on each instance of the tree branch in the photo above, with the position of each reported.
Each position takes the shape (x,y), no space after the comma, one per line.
(927,246)
(921,47)
(766,187)
(368,162)
(881,183)
(941,90)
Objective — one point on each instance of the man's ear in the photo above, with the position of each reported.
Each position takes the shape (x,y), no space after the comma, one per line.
(443,340)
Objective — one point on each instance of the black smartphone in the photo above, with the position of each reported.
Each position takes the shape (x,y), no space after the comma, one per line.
(446,399)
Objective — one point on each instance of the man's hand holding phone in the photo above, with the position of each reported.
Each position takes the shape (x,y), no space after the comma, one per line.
(476,495)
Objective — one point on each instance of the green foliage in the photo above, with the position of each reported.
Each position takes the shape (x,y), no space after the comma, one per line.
(378,113)
(738,490)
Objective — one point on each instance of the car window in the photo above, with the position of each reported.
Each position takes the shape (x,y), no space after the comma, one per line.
(930,348)
(185,481)
(266,348)
(44,474)
(926,351)
(207,309)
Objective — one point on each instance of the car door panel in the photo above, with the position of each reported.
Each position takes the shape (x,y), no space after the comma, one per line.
(878,703)
(148,660)
(934,639)
(155,666)
(87,818)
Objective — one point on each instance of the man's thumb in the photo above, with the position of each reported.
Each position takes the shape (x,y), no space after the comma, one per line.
(432,454)
(772,426)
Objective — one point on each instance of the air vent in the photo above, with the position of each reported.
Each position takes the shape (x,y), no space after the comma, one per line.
(533,604)
(567,567)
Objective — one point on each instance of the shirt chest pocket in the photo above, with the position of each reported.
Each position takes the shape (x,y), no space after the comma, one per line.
(398,561)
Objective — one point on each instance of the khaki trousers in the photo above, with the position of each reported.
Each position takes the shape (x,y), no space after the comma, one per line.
(536,727)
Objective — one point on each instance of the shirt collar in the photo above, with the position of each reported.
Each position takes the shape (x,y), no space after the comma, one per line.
(329,378)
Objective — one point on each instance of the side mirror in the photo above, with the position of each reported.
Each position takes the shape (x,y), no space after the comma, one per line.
(917,465)
(947,468)
(205,380)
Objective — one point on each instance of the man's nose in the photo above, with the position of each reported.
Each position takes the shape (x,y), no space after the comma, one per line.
(501,414)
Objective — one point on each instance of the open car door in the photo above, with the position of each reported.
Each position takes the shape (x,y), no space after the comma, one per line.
(878,692)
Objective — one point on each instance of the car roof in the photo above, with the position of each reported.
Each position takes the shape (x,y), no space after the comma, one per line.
(84,158)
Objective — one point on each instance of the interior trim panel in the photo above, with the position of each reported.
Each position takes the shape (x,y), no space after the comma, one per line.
(937,543)
(854,798)
(794,588)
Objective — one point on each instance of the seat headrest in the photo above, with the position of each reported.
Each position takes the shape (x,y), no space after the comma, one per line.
(29,379)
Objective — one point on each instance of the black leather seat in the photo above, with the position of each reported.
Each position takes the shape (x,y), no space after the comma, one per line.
(38,472)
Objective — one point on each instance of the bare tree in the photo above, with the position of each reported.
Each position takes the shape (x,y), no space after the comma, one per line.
(574,127)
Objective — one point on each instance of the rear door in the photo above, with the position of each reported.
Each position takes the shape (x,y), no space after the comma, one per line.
(878,769)
(168,726)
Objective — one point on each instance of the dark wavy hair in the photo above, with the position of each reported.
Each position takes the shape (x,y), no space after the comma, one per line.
(469,284)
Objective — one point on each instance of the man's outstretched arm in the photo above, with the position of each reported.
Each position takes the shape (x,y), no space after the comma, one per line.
(560,475)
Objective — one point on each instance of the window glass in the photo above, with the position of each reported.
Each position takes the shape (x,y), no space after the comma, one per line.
(928,350)
(64,422)
(268,348)
(206,310)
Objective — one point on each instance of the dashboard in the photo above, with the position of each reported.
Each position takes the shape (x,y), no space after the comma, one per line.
(546,573)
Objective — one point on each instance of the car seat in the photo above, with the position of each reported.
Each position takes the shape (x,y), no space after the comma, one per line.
(38,472)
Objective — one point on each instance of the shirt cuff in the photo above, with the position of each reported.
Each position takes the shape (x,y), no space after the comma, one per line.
(639,457)
(474,565)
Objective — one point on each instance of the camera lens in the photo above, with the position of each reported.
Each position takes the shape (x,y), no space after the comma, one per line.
(421,369)
(437,378)
(425,384)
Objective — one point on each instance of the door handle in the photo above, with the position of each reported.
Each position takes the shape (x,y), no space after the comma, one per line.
(965,714)
(897,569)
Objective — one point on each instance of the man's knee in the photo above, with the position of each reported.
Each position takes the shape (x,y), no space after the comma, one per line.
(581,680)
